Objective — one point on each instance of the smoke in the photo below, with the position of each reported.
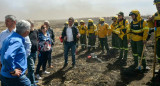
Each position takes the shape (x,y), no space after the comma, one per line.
(62,9)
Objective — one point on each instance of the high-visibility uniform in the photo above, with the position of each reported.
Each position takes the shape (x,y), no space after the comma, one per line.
(151,24)
(138,32)
(91,33)
(83,32)
(115,38)
(122,28)
(103,32)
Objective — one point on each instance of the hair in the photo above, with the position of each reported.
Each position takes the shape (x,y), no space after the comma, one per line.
(22,26)
(71,18)
(12,17)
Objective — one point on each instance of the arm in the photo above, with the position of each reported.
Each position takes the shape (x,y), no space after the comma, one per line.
(27,45)
(146,30)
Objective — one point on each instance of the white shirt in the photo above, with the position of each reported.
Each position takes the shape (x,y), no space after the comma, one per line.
(4,34)
(69,34)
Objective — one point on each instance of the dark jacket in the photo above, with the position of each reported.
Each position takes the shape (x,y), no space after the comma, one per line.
(74,31)
(33,35)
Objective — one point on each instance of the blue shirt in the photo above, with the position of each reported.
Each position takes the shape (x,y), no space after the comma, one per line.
(13,55)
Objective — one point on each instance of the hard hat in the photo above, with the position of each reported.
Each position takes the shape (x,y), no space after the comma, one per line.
(134,12)
(66,22)
(156,1)
(76,21)
(90,20)
(114,17)
(82,21)
(101,19)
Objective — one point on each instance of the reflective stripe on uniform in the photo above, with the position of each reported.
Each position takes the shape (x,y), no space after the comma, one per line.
(137,31)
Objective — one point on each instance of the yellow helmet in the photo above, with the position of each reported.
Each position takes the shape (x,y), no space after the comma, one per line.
(82,21)
(114,17)
(101,19)
(90,20)
(134,12)
(66,22)
(76,21)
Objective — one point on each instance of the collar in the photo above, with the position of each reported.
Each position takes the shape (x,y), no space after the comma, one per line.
(14,30)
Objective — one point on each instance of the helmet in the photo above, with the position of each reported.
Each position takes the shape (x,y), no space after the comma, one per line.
(82,21)
(114,17)
(121,13)
(90,20)
(134,12)
(66,22)
(76,21)
(156,1)
(101,19)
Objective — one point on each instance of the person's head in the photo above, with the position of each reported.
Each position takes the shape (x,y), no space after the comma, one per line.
(10,21)
(70,21)
(32,24)
(76,23)
(81,22)
(101,20)
(46,22)
(90,22)
(23,28)
(135,14)
(157,3)
(44,28)
(114,19)
(120,15)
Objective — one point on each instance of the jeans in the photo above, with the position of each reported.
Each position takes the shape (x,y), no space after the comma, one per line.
(67,47)
(31,67)
(19,81)
(42,60)
(50,58)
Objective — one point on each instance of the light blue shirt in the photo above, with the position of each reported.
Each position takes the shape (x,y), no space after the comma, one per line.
(4,34)
(13,55)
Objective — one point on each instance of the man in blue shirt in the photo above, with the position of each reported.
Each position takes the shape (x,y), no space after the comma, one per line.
(14,58)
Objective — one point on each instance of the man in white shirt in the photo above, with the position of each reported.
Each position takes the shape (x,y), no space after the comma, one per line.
(70,35)
(10,22)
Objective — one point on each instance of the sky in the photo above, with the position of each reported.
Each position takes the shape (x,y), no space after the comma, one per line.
(62,9)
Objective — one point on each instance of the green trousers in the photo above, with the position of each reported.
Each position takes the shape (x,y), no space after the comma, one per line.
(83,41)
(104,42)
(123,48)
(91,41)
(137,48)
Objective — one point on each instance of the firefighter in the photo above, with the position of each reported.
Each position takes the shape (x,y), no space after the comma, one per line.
(91,34)
(122,27)
(76,23)
(115,38)
(138,33)
(66,24)
(103,32)
(82,30)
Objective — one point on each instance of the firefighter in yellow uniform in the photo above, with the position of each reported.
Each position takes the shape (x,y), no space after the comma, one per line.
(122,27)
(138,33)
(91,34)
(154,21)
(66,24)
(76,23)
(103,32)
(83,31)
(115,38)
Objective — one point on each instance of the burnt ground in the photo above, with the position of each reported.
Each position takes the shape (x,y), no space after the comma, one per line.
(107,70)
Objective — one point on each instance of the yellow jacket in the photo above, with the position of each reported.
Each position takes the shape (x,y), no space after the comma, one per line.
(151,24)
(122,29)
(103,30)
(114,27)
(93,29)
(82,29)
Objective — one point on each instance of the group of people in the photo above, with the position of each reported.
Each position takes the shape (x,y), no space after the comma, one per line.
(20,43)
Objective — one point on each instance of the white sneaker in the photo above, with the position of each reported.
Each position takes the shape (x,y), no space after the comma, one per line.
(46,72)
(38,77)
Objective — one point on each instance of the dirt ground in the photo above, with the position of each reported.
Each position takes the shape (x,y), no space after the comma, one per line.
(105,70)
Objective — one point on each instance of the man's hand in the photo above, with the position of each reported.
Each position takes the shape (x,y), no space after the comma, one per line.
(16,72)
(65,38)
(78,36)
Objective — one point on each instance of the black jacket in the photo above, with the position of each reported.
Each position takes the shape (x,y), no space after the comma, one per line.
(74,31)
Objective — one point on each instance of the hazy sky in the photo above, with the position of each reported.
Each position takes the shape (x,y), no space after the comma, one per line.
(60,9)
